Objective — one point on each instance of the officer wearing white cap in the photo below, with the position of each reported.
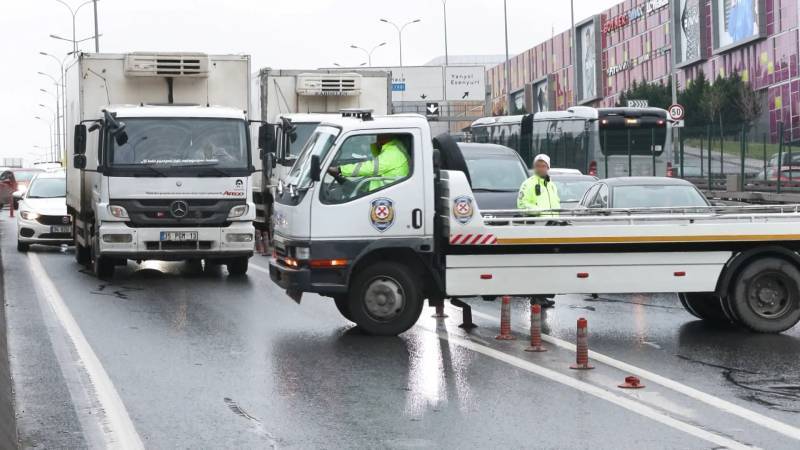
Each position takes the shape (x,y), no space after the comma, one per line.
(538,193)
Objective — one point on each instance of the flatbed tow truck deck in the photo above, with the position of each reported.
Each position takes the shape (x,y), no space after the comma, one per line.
(728,264)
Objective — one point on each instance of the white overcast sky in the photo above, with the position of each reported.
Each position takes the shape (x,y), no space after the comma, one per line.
(288,34)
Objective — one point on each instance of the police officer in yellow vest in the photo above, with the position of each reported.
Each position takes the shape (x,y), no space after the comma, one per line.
(389,160)
(539,193)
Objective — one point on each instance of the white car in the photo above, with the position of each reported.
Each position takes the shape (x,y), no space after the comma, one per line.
(42,217)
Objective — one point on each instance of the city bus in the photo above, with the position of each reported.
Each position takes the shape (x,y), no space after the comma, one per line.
(605,142)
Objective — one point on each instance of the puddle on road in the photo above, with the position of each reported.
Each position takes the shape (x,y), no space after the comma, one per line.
(780,392)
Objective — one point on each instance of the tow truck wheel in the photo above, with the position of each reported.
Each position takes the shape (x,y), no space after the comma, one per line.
(342,304)
(237,267)
(706,306)
(102,266)
(766,296)
(384,299)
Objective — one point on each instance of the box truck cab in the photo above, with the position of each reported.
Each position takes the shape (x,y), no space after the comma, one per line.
(165,174)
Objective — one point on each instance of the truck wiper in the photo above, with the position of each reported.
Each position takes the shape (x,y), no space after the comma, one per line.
(151,169)
(206,166)
(491,190)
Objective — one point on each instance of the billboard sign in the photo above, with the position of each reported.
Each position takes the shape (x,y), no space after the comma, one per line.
(737,22)
(437,83)
(691,43)
(588,67)
(540,96)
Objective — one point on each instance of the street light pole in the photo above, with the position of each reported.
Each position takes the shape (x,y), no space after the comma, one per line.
(508,61)
(58,114)
(63,73)
(50,131)
(446,56)
(368,52)
(96,30)
(74,13)
(574,54)
(400,34)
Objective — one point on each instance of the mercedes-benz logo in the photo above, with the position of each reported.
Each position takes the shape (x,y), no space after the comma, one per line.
(179,209)
(179,183)
(65,220)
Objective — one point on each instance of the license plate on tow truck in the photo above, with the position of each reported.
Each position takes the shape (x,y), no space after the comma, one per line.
(178,236)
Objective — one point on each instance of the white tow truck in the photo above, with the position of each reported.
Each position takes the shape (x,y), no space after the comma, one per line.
(161,162)
(380,249)
(295,102)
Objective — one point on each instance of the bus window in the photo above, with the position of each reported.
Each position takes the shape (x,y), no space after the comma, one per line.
(565,141)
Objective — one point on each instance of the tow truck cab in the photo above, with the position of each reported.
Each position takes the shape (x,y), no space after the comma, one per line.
(325,229)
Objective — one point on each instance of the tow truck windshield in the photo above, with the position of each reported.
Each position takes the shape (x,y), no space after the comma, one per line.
(319,144)
(181,146)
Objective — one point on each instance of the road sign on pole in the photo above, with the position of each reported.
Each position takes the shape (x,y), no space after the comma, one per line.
(638,103)
(676,112)
(432,109)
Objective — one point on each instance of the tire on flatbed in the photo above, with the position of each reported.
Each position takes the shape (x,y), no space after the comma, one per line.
(765,296)
(706,306)
(384,299)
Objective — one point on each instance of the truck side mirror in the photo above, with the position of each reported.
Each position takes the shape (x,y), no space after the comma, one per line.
(79,143)
(266,138)
(79,161)
(315,170)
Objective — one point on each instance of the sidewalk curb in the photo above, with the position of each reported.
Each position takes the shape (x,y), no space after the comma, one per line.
(8,423)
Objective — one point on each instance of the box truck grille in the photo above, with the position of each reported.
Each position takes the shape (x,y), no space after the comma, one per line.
(166,65)
(345,84)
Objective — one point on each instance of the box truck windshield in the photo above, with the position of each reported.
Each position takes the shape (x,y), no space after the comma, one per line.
(181,144)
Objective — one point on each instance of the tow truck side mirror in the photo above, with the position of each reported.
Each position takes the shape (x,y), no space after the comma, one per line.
(315,170)
(79,161)
(79,143)
(266,138)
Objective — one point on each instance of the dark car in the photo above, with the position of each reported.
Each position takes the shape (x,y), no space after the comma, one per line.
(572,187)
(643,192)
(497,172)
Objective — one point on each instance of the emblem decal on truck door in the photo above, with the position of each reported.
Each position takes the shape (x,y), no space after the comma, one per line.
(462,209)
(381,214)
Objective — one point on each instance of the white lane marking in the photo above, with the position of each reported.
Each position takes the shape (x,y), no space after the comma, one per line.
(259,268)
(631,405)
(724,405)
(120,430)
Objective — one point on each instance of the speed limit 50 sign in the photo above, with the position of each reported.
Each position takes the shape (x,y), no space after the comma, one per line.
(676,112)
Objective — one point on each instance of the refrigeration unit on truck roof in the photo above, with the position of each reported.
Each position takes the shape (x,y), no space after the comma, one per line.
(329,84)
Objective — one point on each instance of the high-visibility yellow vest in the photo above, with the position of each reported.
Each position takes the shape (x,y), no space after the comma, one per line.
(391,162)
(547,198)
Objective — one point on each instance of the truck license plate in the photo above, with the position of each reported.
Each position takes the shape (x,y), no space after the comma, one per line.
(61,229)
(179,236)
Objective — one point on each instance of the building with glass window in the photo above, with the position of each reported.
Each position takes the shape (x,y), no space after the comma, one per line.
(759,39)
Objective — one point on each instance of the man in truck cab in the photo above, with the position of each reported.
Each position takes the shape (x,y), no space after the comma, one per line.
(389,162)
(539,193)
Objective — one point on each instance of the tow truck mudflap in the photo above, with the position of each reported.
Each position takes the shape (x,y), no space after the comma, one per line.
(295,295)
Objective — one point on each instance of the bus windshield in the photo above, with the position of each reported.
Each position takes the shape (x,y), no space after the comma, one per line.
(640,136)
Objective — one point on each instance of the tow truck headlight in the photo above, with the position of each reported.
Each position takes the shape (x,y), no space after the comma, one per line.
(118,211)
(238,211)
(29,215)
(302,253)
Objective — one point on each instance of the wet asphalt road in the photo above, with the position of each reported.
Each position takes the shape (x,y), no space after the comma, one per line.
(202,360)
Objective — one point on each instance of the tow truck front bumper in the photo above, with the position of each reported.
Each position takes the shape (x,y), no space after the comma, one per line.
(299,280)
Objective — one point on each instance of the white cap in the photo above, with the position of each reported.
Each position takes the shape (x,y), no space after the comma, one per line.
(542,157)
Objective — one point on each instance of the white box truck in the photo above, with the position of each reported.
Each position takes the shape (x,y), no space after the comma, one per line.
(296,101)
(160,163)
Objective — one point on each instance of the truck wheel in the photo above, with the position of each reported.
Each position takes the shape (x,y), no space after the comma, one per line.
(102,266)
(384,299)
(22,247)
(765,296)
(83,255)
(342,304)
(237,267)
(706,306)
